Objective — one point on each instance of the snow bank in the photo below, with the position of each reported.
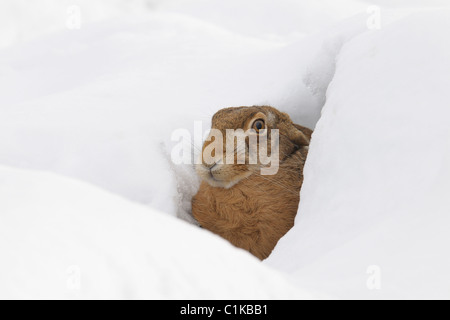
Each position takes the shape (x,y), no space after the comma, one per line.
(100,104)
(22,20)
(375,197)
(278,20)
(63,239)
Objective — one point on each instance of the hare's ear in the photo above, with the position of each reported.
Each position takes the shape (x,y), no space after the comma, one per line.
(300,136)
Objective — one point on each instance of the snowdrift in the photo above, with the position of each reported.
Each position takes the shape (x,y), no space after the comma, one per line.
(100,104)
(63,239)
(88,193)
(378,174)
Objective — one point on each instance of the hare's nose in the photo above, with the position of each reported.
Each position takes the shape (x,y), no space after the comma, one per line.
(210,167)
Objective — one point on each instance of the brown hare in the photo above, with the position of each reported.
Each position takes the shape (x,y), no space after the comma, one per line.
(235,200)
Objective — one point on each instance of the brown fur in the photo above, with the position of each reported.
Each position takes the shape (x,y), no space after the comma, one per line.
(248,209)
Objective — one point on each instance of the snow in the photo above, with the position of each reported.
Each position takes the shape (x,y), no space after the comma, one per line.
(61,238)
(279,20)
(114,91)
(377,177)
(87,116)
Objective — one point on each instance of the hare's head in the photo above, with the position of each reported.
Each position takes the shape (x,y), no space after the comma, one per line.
(245,140)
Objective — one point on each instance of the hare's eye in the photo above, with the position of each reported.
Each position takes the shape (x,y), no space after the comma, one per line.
(259,125)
